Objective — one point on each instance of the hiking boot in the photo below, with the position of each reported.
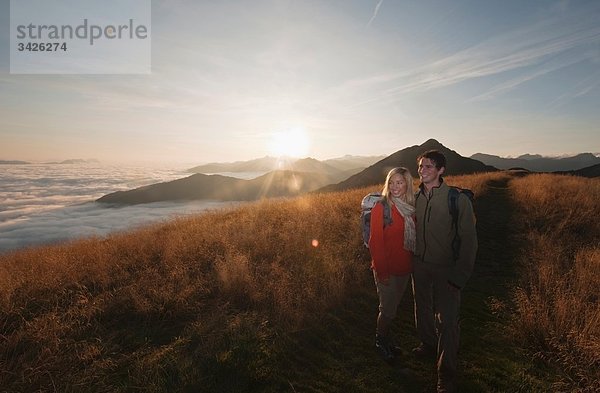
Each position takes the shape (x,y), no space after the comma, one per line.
(384,349)
(424,351)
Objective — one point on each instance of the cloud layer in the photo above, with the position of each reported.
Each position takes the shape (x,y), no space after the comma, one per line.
(48,203)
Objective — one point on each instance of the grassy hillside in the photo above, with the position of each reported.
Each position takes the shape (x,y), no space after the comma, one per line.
(277,296)
(557,297)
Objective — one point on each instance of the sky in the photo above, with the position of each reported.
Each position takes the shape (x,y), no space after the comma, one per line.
(236,80)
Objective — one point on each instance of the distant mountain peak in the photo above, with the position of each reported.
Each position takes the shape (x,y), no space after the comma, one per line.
(431,144)
(13,162)
(308,159)
(528,156)
(539,163)
(407,157)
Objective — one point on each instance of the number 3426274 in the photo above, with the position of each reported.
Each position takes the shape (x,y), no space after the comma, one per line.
(42,46)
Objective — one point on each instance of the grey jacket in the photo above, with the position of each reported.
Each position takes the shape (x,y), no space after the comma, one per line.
(435,234)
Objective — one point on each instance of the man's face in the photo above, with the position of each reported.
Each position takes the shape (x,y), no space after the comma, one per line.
(428,173)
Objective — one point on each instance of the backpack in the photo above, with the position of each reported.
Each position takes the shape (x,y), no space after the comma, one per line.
(453,194)
(367,204)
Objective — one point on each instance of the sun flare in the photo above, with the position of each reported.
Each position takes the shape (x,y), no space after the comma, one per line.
(292,142)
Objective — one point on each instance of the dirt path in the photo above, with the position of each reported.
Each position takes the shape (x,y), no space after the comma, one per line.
(490,359)
(495,268)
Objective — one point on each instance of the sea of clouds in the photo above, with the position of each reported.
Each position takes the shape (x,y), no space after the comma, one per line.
(49,203)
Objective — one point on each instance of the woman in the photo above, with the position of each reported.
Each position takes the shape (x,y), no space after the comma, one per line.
(392,249)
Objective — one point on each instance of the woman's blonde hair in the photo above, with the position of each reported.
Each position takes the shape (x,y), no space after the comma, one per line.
(409,196)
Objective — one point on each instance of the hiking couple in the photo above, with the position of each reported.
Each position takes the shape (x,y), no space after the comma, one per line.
(419,240)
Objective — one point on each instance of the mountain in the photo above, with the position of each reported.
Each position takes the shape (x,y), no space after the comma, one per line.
(320,168)
(349,162)
(312,165)
(76,161)
(13,162)
(538,163)
(590,171)
(530,156)
(308,175)
(375,174)
(222,188)
(337,169)
(264,164)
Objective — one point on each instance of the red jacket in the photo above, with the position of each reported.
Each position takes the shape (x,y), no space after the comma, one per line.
(387,245)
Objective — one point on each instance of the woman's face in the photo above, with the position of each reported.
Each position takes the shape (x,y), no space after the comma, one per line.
(397,185)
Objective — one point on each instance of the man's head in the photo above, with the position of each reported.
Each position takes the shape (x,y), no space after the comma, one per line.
(437,158)
(431,166)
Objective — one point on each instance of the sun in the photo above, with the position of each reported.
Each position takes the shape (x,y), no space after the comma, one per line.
(292,142)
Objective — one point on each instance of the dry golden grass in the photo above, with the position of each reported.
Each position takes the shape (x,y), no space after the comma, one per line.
(66,307)
(195,300)
(478,183)
(558,309)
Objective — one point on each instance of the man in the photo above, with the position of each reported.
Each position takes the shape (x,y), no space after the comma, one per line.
(438,278)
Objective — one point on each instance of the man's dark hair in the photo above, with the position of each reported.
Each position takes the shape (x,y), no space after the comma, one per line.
(435,156)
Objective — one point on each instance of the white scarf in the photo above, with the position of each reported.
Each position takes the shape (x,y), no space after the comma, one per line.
(410,233)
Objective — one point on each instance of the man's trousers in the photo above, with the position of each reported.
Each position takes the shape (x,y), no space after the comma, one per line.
(437,306)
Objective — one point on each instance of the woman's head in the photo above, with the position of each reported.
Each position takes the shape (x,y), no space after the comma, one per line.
(399,184)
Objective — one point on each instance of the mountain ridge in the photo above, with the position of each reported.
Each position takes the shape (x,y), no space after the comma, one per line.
(588,171)
(268,163)
(312,175)
(315,176)
(407,157)
(538,163)
(14,162)
(224,188)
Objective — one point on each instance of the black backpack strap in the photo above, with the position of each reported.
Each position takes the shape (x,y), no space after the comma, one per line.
(453,205)
(453,194)
(387,212)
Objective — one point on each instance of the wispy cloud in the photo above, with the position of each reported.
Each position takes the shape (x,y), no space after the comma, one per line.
(537,72)
(533,46)
(506,53)
(581,89)
(375,12)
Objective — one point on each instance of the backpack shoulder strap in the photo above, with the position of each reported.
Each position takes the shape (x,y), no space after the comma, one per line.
(387,212)
(453,194)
